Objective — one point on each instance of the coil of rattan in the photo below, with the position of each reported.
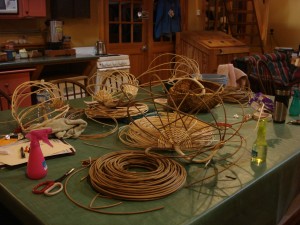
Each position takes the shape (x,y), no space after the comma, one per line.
(132,175)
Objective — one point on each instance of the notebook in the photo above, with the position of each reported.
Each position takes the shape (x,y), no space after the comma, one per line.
(11,154)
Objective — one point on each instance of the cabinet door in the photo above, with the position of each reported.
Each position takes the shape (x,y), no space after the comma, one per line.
(33,8)
(28,8)
(81,9)
(61,9)
(10,80)
(70,9)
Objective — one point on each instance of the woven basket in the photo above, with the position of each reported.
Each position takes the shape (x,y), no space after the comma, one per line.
(113,88)
(188,96)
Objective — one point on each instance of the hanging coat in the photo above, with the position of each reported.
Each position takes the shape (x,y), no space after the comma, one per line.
(168,17)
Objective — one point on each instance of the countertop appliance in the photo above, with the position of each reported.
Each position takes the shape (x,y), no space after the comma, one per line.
(100,48)
(108,62)
(54,34)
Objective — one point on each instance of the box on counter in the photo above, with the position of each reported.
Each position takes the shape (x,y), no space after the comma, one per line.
(3,57)
(60,52)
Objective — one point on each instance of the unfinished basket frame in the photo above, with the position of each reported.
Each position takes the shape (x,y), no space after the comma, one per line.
(171,129)
(113,88)
(37,115)
(176,66)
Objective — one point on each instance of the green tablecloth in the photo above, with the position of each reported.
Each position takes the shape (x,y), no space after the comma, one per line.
(256,196)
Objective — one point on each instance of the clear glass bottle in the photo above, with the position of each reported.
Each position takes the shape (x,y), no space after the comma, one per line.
(260,146)
(295,105)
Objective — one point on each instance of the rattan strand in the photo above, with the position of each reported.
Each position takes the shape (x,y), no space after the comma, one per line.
(172,66)
(113,88)
(115,175)
(30,117)
(99,111)
(169,131)
(98,209)
(113,129)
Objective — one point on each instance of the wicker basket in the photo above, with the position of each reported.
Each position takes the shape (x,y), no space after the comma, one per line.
(113,88)
(188,96)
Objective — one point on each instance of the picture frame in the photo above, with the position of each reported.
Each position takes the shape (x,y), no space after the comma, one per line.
(9,7)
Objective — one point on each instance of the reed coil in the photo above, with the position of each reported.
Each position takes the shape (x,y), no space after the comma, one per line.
(133,175)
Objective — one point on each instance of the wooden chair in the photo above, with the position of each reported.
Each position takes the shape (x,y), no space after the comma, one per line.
(270,70)
(71,89)
(5,101)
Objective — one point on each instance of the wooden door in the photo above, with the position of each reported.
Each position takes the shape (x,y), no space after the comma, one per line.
(129,29)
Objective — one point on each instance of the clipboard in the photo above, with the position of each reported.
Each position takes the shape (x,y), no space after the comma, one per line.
(11,154)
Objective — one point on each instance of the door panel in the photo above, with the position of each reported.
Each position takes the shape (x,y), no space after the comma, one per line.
(129,29)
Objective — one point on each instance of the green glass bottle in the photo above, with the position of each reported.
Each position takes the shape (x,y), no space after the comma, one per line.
(260,146)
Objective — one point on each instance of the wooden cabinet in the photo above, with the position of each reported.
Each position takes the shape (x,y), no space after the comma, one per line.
(33,8)
(11,79)
(210,48)
(70,9)
(28,9)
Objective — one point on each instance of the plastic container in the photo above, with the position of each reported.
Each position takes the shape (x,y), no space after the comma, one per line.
(281,104)
(217,78)
(295,105)
(36,165)
(11,54)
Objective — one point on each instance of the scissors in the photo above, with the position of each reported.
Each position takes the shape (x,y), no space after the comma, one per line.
(48,186)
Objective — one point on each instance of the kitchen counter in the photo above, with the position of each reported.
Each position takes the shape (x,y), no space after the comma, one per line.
(44,66)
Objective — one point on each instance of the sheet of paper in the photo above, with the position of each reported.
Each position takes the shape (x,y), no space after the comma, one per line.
(14,153)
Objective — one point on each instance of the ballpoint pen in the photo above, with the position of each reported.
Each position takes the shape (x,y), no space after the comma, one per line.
(22,153)
(294,122)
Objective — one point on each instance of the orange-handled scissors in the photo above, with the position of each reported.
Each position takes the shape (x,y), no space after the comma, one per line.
(47,187)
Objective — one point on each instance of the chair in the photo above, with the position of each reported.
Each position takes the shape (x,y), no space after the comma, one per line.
(266,82)
(71,89)
(5,101)
(270,71)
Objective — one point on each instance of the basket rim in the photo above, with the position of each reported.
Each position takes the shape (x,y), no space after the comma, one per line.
(220,89)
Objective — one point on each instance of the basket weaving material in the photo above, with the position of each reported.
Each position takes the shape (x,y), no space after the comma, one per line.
(40,114)
(168,131)
(100,111)
(188,96)
(236,95)
(113,88)
(169,66)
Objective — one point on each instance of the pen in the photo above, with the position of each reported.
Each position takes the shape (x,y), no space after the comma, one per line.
(22,153)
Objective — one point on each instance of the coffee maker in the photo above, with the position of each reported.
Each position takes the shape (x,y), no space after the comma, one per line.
(54,34)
